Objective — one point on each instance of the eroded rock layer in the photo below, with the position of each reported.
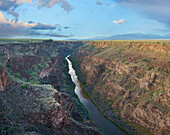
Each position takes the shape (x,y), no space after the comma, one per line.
(37,94)
(128,81)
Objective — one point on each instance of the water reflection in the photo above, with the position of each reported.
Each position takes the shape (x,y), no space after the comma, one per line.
(94,113)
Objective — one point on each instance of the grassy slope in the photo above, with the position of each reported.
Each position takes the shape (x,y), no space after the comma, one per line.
(154,53)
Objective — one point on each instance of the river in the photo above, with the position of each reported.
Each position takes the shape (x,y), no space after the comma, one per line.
(94,113)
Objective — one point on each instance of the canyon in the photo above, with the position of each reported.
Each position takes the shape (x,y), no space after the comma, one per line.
(128,81)
(36,92)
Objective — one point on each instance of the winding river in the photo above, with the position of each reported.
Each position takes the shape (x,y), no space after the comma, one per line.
(94,113)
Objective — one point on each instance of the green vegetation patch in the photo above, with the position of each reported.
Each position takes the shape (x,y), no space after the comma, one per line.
(145,60)
(24,86)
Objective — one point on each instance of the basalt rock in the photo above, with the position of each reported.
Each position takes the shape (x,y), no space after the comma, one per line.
(38,94)
(122,83)
(3,79)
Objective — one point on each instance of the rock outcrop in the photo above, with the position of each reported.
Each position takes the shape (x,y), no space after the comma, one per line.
(3,79)
(37,92)
(127,83)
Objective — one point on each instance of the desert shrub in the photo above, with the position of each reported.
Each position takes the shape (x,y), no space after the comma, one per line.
(149,68)
(127,63)
(2,114)
(23,86)
(138,73)
(26,72)
(131,42)
(145,60)
(11,129)
(17,75)
(166,71)
(154,58)
(32,82)
(37,82)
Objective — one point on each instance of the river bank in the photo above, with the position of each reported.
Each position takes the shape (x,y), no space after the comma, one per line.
(93,111)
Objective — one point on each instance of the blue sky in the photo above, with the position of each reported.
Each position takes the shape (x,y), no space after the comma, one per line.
(81,19)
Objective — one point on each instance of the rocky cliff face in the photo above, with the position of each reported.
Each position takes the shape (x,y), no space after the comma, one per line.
(37,94)
(128,81)
(3,79)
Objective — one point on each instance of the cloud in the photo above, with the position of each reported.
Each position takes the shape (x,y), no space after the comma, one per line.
(119,21)
(56,35)
(99,2)
(66,27)
(2,19)
(66,6)
(9,6)
(41,26)
(50,3)
(15,14)
(5,5)
(13,23)
(154,9)
(30,22)
(9,28)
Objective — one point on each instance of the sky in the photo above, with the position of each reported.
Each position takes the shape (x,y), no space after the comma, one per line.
(82,19)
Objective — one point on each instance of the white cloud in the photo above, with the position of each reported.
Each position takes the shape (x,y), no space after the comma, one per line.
(9,28)
(41,26)
(50,3)
(9,6)
(22,1)
(99,2)
(2,19)
(15,14)
(11,23)
(119,21)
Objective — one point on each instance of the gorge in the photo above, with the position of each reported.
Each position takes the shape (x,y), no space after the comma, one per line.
(124,82)
(98,118)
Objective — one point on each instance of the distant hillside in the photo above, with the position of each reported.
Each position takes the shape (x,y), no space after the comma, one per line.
(131,36)
(136,36)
